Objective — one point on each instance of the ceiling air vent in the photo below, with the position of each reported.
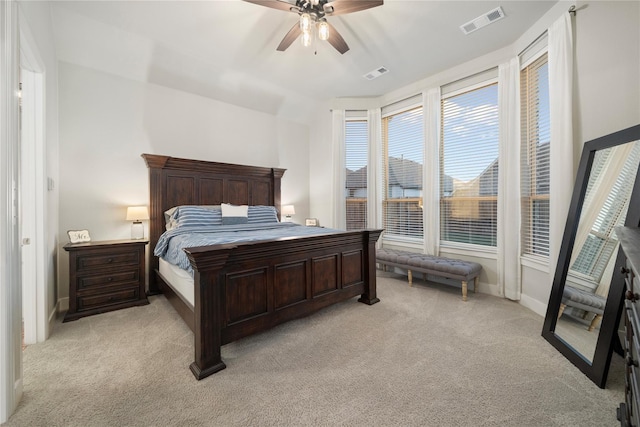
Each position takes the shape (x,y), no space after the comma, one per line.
(483,20)
(376,73)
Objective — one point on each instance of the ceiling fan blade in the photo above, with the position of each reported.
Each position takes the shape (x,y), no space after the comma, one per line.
(293,34)
(342,7)
(336,40)
(275,4)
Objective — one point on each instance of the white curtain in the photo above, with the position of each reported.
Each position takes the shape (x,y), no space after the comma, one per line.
(431,172)
(374,175)
(508,232)
(560,109)
(339,170)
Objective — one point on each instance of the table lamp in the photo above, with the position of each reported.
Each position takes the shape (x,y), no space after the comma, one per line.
(137,214)
(287,211)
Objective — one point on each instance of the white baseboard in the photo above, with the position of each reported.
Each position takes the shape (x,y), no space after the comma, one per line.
(18,390)
(533,305)
(52,320)
(63,305)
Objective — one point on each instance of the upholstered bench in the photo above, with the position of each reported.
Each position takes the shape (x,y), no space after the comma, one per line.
(583,300)
(435,265)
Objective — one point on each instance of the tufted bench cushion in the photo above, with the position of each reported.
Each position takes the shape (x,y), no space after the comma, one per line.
(434,265)
(573,297)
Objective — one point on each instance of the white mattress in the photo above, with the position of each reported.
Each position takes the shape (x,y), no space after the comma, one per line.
(179,279)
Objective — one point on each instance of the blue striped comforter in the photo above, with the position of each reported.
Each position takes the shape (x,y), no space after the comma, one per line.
(171,243)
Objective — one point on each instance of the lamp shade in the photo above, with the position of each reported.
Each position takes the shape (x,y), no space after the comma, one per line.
(288,210)
(137,213)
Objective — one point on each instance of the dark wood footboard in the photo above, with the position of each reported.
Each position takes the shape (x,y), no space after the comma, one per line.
(243,289)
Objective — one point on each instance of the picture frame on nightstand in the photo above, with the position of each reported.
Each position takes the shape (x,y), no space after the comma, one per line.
(311,222)
(79,236)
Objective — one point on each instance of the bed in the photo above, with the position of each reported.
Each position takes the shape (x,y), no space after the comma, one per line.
(243,288)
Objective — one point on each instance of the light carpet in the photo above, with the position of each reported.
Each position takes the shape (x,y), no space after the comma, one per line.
(420,357)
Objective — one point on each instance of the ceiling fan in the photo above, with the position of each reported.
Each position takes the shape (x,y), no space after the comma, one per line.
(312,14)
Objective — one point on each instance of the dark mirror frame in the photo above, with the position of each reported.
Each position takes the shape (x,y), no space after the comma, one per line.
(598,369)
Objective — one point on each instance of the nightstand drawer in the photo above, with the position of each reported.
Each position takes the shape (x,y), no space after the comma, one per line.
(91,261)
(108,279)
(102,300)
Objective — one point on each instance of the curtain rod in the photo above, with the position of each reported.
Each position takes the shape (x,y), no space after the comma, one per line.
(572,10)
(544,33)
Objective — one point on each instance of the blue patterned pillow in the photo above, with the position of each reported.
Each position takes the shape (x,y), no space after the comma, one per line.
(197,216)
(262,214)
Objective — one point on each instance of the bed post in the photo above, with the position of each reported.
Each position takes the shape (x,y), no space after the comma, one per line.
(276,177)
(208,308)
(369,296)
(155,164)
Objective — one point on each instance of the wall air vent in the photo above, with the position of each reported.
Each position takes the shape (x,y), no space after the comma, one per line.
(483,20)
(376,73)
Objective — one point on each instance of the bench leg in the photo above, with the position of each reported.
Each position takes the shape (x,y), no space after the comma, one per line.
(475,285)
(464,290)
(595,322)
(562,307)
(410,275)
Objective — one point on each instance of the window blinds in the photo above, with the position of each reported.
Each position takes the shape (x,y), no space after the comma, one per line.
(356,154)
(403,151)
(535,162)
(469,167)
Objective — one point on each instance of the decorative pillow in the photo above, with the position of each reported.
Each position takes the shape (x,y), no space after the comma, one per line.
(232,214)
(170,222)
(196,216)
(262,214)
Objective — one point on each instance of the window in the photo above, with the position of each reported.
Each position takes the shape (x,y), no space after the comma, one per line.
(535,146)
(403,148)
(469,167)
(356,142)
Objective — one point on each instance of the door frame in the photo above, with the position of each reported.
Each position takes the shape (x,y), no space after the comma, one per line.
(10,292)
(33,188)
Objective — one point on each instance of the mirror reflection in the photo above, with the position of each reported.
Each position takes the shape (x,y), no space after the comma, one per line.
(593,257)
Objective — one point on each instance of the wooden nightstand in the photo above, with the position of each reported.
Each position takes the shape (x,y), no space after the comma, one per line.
(105,276)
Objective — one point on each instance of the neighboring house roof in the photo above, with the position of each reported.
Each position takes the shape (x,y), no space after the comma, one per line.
(402,173)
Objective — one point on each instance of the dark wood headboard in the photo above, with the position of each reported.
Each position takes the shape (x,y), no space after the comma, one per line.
(174,182)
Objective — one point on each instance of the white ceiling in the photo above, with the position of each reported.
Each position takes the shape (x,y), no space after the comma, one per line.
(226,49)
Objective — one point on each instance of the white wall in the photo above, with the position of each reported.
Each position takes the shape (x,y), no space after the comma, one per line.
(107,122)
(606,99)
(607,68)
(36,24)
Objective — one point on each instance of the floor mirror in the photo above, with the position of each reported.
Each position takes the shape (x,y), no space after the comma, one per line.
(588,286)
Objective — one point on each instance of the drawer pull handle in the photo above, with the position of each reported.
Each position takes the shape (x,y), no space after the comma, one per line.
(624,270)
(111,299)
(110,279)
(110,260)
(631,296)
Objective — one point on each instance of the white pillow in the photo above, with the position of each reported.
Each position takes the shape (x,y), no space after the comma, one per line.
(232,214)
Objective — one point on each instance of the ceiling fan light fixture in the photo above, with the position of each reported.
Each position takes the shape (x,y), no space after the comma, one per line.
(307,38)
(305,22)
(323,30)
